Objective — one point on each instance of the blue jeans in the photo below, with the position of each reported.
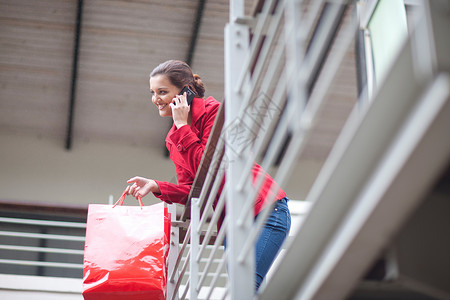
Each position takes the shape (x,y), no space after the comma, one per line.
(271,238)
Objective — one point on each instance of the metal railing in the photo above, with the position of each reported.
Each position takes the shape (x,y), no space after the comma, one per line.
(273,100)
(41,247)
(268,80)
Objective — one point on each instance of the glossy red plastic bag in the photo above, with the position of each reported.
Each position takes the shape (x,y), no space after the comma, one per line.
(125,252)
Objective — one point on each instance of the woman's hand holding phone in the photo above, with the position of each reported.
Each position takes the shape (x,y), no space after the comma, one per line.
(180,110)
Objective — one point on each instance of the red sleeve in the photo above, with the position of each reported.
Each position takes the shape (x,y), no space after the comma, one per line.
(173,193)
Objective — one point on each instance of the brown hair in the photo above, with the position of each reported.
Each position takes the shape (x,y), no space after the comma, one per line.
(180,75)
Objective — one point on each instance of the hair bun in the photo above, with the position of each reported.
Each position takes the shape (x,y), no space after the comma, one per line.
(199,86)
(197,77)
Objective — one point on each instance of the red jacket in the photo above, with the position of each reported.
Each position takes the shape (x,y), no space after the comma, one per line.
(186,146)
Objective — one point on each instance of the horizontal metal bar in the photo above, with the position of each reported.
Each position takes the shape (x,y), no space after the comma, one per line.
(326,31)
(262,127)
(216,215)
(210,275)
(216,159)
(41,249)
(42,236)
(299,133)
(180,254)
(262,61)
(256,229)
(315,102)
(256,42)
(207,260)
(42,222)
(212,195)
(227,289)
(186,289)
(270,40)
(202,260)
(217,275)
(310,19)
(306,74)
(182,224)
(280,93)
(41,263)
(364,139)
(218,242)
(306,117)
(383,205)
(273,150)
(183,271)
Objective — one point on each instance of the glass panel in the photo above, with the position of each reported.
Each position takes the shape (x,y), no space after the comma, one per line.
(388,31)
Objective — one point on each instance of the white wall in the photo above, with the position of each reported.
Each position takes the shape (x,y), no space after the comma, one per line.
(17,287)
(41,170)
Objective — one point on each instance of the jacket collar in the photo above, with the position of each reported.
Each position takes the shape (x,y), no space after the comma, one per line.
(198,109)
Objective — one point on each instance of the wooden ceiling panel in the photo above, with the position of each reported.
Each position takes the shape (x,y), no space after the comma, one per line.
(36,46)
(121,42)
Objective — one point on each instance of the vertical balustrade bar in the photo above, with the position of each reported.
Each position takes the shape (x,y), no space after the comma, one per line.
(174,250)
(183,247)
(241,275)
(195,246)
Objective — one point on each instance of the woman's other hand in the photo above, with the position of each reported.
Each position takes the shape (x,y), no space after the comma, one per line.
(141,187)
(180,110)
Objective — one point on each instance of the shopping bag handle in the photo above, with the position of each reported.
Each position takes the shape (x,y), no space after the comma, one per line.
(122,198)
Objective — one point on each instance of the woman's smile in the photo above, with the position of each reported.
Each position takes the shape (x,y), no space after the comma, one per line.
(162,106)
(163,92)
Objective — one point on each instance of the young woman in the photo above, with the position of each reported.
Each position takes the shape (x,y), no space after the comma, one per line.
(186,142)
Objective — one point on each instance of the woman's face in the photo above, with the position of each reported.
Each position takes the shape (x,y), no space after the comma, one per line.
(163,91)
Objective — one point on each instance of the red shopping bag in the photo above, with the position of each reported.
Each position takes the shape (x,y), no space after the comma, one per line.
(125,252)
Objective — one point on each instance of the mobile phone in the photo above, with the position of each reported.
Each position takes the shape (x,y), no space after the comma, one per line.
(189,94)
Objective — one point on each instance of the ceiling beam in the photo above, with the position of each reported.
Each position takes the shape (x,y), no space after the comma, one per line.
(76,48)
(195,31)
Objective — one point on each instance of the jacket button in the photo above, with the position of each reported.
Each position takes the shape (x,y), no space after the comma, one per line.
(179,147)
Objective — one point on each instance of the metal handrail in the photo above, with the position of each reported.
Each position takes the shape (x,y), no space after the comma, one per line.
(218,211)
(294,149)
(42,222)
(217,275)
(42,236)
(275,129)
(212,195)
(218,241)
(180,254)
(41,249)
(41,263)
(182,272)
(35,223)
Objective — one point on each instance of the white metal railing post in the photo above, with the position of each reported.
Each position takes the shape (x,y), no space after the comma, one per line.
(173,255)
(295,52)
(195,246)
(241,275)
